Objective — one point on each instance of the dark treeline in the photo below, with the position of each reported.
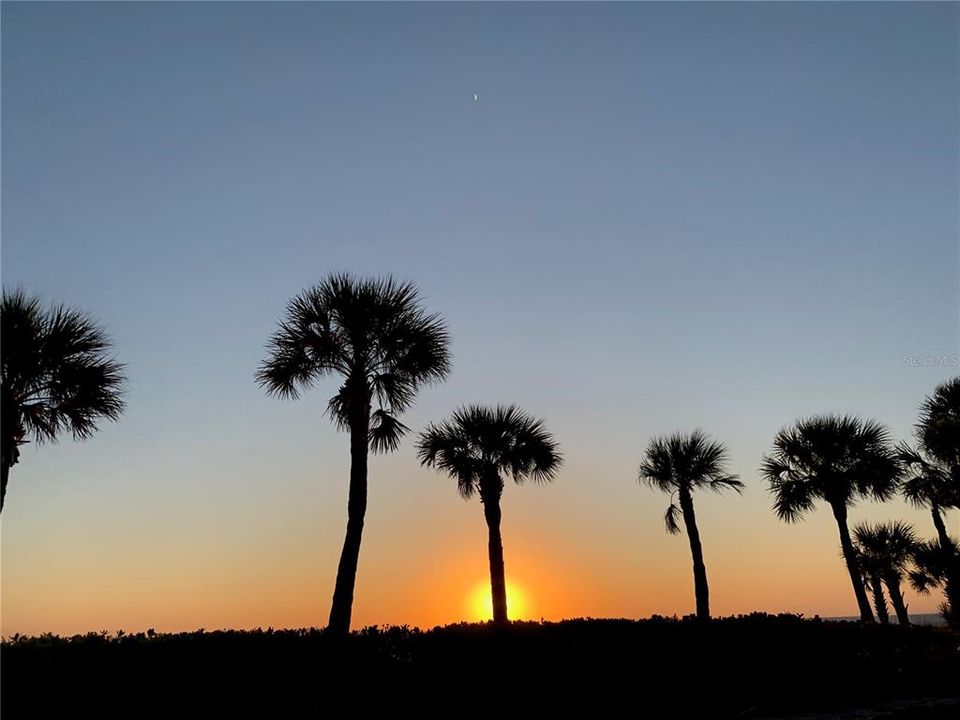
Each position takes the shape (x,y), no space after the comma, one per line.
(751,666)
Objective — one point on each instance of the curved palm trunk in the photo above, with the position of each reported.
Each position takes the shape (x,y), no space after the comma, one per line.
(342,606)
(939,524)
(896,599)
(853,567)
(498,582)
(952,585)
(700,588)
(879,601)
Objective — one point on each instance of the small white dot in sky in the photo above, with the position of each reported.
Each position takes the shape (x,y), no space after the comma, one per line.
(475,98)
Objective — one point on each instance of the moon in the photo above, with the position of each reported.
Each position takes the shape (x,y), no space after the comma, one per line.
(475,97)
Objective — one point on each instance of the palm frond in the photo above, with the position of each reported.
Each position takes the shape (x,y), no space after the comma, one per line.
(727,482)
(671,519)
(306,346)
(657,468)
(792,498)
(386,432)
(929,481)
(445,447)
(933,564)
(530,452)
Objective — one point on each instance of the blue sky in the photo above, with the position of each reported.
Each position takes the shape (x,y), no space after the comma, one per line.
(653,217)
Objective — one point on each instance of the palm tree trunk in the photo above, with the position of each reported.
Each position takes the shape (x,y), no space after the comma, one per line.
(939,524)
(879,601)
(853,567)
(952,592)
(4,475)
(896,599)
(342,606)
(498,582)
(8,454)
(952,585)
(700,588)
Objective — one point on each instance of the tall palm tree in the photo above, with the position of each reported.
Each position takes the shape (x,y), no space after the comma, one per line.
(681,464)
(374,335)
(480,446)
(57,376)
(886,551)
(933,470)
(837,459)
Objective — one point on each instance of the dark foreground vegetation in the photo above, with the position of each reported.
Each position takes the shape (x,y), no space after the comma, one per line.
(749,666)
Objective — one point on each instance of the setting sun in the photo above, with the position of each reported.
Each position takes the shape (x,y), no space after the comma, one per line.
(480,603)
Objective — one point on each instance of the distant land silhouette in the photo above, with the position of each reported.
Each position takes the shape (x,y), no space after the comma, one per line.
(925,619)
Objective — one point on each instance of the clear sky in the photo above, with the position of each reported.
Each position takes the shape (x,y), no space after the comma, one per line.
(653,217)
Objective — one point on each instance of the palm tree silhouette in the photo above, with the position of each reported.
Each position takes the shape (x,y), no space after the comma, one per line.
(932,564)
(928,485)
(479,446)
(933,469)
(939,427)
(681,464)
(886,551)
(57,376)
(871,569)
(837,459)
(375,335)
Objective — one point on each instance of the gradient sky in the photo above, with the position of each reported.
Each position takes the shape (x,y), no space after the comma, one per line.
(654,217)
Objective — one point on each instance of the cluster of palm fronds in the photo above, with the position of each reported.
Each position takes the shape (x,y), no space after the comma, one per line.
(375,336)
(885,552)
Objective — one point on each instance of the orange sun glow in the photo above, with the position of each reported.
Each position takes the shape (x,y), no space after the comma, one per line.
(480,603)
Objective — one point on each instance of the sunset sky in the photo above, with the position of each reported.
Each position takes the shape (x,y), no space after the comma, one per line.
(652,218)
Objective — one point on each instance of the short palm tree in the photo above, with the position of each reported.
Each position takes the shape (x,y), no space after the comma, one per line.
(57,376)
(681,464)
(837,459)
(871,569)
(479,447)
(933,565)
(885,551)
(373,334)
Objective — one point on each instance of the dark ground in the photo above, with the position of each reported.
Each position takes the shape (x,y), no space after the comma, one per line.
(749,666)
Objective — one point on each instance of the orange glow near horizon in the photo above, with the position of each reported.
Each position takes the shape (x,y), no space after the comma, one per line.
(480,602)
(272,560)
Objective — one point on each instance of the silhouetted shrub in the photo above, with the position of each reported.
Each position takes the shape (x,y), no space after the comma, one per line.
(751,664)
